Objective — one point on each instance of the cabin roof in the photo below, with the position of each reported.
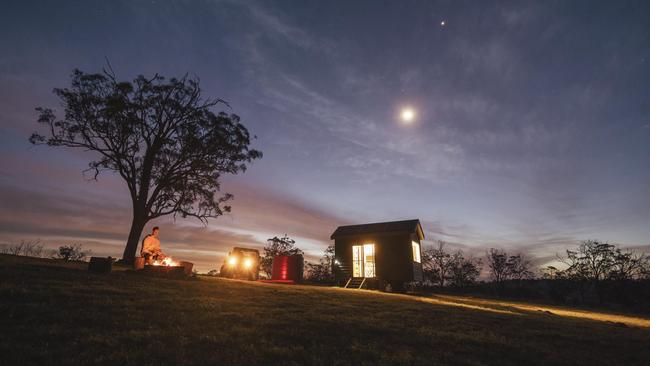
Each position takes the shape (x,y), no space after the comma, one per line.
(405,226)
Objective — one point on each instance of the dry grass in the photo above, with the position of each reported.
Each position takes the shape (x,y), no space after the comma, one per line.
(525,308)
(55,313)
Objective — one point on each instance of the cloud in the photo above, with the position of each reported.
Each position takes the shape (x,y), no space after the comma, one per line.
(274,26)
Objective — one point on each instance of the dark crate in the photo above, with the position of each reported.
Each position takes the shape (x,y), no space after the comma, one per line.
(100,265)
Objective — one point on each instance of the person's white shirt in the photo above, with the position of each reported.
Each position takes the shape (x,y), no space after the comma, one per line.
(150,245)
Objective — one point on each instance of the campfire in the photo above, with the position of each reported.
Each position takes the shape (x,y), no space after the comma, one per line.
(165,262)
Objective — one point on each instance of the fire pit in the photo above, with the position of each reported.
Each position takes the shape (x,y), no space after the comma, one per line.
(164,271)
(168,268)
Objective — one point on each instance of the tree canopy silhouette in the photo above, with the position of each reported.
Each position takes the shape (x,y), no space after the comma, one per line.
(160,135)
(437,263)
(277,246)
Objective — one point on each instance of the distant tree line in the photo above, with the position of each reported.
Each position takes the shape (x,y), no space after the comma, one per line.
(595,262)
(601,272)
(34,248)
(594,273)
(453,269)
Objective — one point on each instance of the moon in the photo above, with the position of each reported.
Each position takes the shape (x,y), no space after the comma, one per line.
(407,115)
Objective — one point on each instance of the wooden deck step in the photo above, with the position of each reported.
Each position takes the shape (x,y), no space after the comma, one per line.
(355,282)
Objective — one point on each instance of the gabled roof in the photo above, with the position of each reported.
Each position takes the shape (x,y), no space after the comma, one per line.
(406,226)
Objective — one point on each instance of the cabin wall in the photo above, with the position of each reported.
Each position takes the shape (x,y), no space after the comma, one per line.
(343,254)
(393,257)
(395,260)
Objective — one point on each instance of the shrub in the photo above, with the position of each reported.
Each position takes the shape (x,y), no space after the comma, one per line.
(28,248)
(72,253)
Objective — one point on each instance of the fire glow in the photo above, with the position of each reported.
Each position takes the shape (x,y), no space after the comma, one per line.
(168,262)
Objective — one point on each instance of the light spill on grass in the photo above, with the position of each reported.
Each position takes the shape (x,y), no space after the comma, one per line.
(566,312)
(506,307)
(435,301)
(467,306)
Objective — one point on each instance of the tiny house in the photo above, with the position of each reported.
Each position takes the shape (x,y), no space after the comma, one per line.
(378,255)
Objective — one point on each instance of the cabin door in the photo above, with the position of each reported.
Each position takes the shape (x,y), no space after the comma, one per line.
(363,260)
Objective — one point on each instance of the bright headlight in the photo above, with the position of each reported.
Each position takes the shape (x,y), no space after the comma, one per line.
(248,263)
(232,261)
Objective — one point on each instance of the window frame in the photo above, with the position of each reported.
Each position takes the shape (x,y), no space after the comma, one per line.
(417,253)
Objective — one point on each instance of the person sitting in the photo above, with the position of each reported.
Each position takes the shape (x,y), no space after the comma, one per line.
(151,247)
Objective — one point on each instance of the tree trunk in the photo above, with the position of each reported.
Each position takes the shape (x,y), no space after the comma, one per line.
(137,225)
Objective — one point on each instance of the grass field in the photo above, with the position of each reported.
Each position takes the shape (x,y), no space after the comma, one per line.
(57,313)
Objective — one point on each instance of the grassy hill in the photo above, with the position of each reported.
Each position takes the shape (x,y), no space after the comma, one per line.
(57,313)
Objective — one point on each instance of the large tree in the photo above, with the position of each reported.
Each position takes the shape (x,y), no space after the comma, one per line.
(463,271)
(503,267)
(323,270)
(160,135)
(497,263)
(519,267)
(595,261)
(437,263)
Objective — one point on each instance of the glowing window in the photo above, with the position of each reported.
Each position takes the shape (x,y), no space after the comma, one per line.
(363,260)
(416,252)
(357,261)
(369,260)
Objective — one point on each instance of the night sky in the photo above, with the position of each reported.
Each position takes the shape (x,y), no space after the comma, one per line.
(531,128)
